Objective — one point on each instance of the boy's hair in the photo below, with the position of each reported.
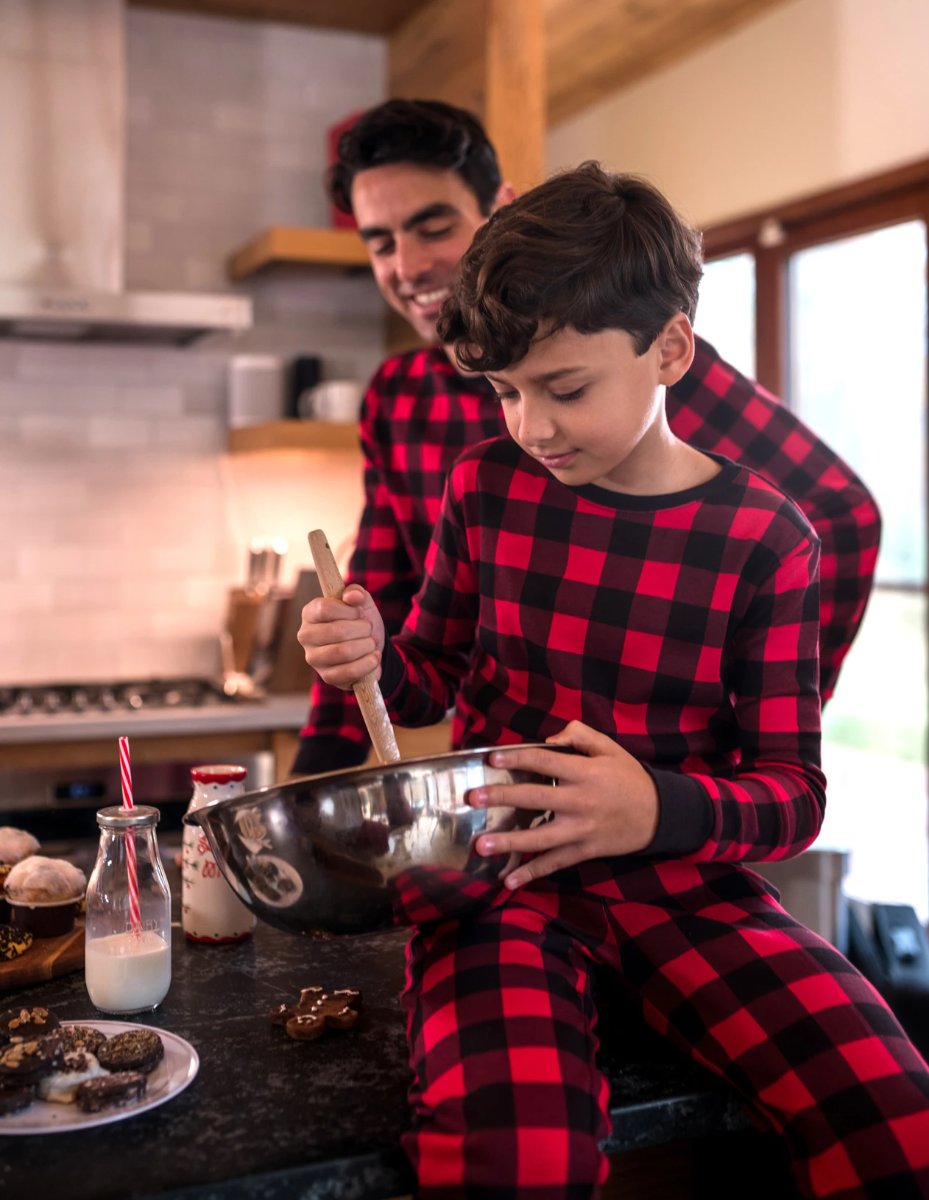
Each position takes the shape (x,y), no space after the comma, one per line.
(424,132)
(586,249)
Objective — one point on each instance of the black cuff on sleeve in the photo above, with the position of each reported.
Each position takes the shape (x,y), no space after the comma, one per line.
(393,671)
(685,814)
(326,752)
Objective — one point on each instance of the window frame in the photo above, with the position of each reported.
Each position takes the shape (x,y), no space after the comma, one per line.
(771,235)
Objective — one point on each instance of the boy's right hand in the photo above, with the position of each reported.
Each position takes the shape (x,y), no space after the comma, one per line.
(343,639)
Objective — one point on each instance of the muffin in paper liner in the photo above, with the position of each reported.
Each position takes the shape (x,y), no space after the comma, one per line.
(44,895)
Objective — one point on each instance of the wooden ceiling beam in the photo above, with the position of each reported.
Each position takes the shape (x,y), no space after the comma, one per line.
(487,56)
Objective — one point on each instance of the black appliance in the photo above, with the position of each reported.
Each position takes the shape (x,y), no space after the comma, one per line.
(889,946)
(52,800)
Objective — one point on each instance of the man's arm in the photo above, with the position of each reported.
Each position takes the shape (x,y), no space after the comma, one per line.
(715,408)
(772,805)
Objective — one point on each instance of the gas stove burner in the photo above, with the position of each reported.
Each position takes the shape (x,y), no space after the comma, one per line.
(124,696)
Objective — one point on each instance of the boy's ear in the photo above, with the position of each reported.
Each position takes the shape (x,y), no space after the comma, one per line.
(675,350)
(505,193)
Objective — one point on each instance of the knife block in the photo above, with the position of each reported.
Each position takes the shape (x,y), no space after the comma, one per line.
(246,607)
(290,671)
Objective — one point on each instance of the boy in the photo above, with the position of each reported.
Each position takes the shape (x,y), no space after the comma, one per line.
(596,582)
(420,178)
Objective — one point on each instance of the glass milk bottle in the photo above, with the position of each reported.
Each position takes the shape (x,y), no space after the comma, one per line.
(210,909)
(127,954)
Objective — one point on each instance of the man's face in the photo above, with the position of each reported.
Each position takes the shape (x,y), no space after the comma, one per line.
(417,222)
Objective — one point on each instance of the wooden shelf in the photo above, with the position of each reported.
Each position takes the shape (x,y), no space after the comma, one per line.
(305,247)
(294,435)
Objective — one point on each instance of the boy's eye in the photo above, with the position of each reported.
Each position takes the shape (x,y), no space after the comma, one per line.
(505,395)
(379,249)
(567,397)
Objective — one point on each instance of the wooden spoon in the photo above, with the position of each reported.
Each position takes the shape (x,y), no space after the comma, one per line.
(367,690)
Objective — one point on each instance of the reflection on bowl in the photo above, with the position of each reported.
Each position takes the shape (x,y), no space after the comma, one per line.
(273,880)
(353,851)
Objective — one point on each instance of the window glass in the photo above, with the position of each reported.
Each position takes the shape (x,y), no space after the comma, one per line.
(726,310)
(858,373)
(858,377)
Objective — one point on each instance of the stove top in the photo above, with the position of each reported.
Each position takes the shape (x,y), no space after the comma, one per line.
(52,699)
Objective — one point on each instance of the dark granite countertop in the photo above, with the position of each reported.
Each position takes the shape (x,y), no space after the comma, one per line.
(270,1118)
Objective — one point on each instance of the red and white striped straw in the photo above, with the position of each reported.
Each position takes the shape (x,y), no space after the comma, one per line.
(125,779)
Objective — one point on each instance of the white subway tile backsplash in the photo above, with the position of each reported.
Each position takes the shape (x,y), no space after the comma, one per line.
(139,109)
(83,593)
(81,364)
(123,522)
(66,561)
(30,399)
(51,430)
(18,596)
(115,433)
(190,433)
(138,237)
(156,400)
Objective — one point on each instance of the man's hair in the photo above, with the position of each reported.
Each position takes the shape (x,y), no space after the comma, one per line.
(426,133)
(586,249)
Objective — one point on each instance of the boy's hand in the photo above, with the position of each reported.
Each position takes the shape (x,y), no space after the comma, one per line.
(605,804)
(343,639)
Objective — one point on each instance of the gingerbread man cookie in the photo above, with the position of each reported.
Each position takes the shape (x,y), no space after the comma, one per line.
(318,1010)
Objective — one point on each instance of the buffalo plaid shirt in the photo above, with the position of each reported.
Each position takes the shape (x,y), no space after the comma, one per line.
(418,416)
(684,626)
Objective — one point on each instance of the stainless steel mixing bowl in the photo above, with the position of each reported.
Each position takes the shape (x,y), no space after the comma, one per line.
(351,851)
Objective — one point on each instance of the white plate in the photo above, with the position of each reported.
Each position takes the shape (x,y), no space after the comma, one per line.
(175,1071)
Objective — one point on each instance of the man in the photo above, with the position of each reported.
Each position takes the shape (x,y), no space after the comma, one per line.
(420,178)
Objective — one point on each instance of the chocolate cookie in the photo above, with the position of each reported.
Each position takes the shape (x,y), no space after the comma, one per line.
(28,1062)
(23,1024)
(60,1087)
(14,1099)
(81,1037)
(13,942)
(135,1050)
(111,1091)
(318,1010)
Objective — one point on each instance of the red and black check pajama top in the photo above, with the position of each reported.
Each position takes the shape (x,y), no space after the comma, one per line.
(685,627)
(418,416)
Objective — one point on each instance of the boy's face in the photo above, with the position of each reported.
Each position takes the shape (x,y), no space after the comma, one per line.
(591,410)
(417,222)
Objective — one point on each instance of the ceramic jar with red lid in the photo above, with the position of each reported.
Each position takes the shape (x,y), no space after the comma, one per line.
(210,909)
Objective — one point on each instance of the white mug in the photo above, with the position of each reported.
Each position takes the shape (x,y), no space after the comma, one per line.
(332,400)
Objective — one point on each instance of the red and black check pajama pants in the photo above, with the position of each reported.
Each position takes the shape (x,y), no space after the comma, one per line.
(507,1099)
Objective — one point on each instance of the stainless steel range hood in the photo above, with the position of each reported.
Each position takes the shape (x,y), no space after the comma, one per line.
(62,201)
(72,315)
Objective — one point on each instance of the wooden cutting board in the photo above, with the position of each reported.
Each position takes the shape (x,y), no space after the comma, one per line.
(45,958)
